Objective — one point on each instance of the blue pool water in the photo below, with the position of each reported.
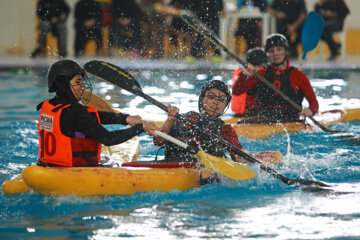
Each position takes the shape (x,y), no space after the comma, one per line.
(260,208)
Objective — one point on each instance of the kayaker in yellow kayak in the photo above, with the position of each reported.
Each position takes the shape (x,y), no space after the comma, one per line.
(246,104)
(291,81)
(214,99)
(71,134)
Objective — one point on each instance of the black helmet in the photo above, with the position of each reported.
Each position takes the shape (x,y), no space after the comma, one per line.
(217,84)
(256,56)
(274,40)
(63,69)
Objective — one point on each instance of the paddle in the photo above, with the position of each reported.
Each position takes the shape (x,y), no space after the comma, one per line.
(98,102)
(218,164)
(121,78)
(221,165)
(201,28)
(312,31)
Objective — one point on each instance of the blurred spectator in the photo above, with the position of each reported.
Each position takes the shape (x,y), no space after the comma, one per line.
(53,15)
(106,21)
(250,28)
(290,16)
(125,29)
(180,28)
(334,13)
(153,28)
(87,25)
(208,11)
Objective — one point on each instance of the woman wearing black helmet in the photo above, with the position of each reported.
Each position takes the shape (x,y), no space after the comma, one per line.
(71,134)
(291,81)
(246,104)
(213,102)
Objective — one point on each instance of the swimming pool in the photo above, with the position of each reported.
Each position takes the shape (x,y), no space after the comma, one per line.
(258,208)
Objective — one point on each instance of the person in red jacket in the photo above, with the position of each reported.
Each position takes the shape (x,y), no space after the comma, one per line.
(245,105)
(291,81)
(71,134)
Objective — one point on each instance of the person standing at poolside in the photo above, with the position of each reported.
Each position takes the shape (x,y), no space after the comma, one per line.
(53,15)
(290,18)
(87,25)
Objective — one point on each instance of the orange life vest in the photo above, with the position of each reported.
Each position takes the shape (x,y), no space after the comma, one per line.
(56,148)
(244,103)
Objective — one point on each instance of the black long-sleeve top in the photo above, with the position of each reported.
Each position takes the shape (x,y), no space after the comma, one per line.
(46,9)
(125,9)
(338,6)
(76,119)
(292,8)
(85,10)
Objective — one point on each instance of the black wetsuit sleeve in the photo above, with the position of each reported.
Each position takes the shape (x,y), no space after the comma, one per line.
(77,119)
(113,118)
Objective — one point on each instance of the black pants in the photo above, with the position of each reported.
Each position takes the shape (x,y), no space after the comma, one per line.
(332,26)
(58,30)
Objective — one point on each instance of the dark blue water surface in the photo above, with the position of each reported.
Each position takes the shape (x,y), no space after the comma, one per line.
(258,208)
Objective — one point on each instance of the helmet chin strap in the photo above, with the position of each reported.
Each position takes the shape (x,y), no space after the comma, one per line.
(281,63)
(87,86)
(203,111)
(75,93)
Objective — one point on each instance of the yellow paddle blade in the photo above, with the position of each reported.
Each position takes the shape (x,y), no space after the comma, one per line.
(226,167)
(98,102)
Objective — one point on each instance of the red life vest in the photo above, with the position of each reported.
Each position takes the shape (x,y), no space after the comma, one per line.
(187,134)
(56,148)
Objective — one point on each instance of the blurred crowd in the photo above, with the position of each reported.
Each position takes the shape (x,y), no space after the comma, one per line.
(153,28)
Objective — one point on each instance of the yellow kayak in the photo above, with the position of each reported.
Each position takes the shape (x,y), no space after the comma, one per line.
(108,181)
(131,177)
(262,130)
(125,152)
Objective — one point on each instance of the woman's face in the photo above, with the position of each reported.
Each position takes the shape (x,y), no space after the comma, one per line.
(277,54)
(77,86)
(214,102)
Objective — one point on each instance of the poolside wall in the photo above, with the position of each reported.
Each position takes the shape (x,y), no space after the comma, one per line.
(18,24)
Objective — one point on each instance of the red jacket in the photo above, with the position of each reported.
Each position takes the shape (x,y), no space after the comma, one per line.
(228,133)
(298,81)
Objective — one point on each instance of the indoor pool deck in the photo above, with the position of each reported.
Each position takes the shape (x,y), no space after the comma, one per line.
(8,62)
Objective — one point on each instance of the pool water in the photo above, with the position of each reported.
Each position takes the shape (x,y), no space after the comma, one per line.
(259,208)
